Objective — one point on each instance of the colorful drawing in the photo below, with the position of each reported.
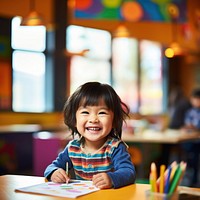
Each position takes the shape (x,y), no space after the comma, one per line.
(72,190)
(130,10)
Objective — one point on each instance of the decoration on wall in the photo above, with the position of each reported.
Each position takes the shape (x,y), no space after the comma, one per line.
(129,10)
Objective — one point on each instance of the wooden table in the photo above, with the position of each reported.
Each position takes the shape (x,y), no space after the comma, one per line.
(8,184)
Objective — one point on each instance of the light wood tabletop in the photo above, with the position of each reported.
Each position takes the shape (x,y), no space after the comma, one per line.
(8,184)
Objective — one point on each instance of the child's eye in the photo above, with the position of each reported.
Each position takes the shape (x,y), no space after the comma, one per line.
(102,113)
(84,112)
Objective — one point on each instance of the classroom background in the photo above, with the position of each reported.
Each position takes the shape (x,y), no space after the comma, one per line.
(104,41)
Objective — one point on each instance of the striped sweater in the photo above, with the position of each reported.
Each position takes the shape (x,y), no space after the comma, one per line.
(112,158)
(87,165)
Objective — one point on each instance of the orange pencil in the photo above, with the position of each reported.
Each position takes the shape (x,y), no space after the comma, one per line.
(162,178)
(154,177)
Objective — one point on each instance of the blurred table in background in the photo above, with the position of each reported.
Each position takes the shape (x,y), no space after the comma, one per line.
(168,136)
(161,147)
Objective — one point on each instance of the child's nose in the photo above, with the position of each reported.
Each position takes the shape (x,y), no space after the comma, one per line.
(93,119)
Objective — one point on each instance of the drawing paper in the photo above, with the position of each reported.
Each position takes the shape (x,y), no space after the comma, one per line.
(72,190)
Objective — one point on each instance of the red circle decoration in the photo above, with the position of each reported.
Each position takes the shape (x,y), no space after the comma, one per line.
(83,4)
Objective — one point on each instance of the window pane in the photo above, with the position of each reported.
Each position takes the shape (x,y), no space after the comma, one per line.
(97,41)
(28,82)
(125,64)
(95,65)
(85,69)
(31,38)
(151,77)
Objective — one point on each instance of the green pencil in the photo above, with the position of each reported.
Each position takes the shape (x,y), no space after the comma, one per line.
(177,177)
(175,180)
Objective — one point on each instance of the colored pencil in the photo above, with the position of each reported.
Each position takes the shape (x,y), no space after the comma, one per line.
(173,164)
(67,168)
(167,183)
(153,177)
(169,178)
(162,179)
(175,180)
(174,167)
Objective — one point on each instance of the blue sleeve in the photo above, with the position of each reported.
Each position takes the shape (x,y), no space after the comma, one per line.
(124,170)
(59,162)
(188,118)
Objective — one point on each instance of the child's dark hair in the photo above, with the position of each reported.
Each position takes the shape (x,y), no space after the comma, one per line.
(89,94)
(196,93)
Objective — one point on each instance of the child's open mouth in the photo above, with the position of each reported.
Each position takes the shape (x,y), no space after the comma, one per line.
(93,129)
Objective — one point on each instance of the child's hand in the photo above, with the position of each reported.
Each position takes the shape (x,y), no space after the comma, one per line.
(59,176)
(189,128)
(102,181)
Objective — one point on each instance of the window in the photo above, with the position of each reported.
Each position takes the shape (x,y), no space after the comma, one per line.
(125,70)
(136,66)
(151,77)
(95,65)
(28,61)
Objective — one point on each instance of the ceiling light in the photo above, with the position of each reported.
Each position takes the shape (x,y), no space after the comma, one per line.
(33,18)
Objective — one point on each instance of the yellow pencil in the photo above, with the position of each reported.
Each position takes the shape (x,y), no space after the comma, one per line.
(153,177)
(174,167)
(162,178)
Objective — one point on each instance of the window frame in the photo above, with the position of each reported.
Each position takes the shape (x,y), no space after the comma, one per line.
(47,104)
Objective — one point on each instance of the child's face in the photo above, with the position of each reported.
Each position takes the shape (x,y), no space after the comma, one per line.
(94,123)
(195,102)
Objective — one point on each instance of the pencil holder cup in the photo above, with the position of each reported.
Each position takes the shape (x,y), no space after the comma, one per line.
(161,196)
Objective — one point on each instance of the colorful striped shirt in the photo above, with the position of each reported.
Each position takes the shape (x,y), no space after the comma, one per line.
(87,165)
(112,158)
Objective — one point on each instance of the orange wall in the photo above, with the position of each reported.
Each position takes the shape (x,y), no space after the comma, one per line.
(142,30)
(189,74)
(22,7)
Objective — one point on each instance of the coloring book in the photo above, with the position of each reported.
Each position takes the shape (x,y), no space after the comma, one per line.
(73,189)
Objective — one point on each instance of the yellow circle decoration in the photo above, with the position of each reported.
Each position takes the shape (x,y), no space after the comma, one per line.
(173,10)
(111,3)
